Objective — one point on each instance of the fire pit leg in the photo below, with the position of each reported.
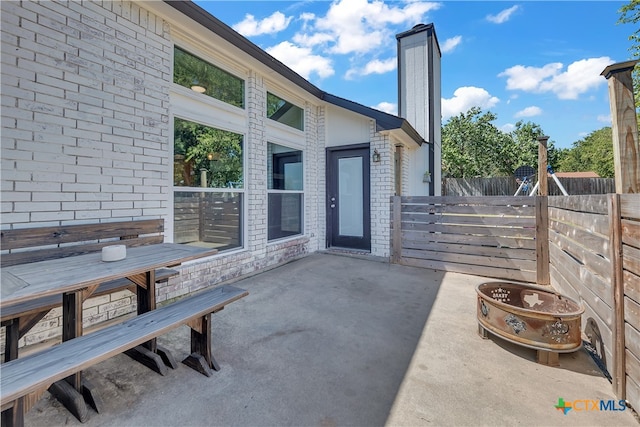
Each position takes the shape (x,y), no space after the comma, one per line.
(483,332)
(549,358)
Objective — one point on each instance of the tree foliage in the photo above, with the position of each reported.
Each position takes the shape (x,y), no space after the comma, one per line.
(200,147)
(593,153)
(473,146)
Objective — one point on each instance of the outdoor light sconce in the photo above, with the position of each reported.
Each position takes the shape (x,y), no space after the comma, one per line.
(197,87)
(376,156)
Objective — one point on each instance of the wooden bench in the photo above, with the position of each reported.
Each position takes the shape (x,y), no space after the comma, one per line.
(25,379)
(21,246)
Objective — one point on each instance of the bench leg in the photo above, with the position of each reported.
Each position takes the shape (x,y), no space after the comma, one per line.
(148,358)
(91,396)
(71,398)
(14,416)
(201,358)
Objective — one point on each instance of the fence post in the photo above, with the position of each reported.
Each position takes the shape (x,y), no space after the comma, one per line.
(624,126)
(543,180)
(396,238)
(542,240)
(617,284)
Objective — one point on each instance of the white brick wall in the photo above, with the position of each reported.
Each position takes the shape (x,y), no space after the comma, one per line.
(85,112)
(382,188)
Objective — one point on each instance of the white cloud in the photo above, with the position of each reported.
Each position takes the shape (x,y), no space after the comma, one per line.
(466,97)
(580,77)
(302,60)
(529,112)
(503,16)
(528,79)
(508,127)
(604,118)
(359,26)
(269,25)
(375,66)
(387,107)
(450,44)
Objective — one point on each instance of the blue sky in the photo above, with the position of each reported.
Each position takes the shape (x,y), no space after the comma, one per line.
(537,61)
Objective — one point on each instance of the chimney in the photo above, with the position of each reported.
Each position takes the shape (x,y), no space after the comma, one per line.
(419,97)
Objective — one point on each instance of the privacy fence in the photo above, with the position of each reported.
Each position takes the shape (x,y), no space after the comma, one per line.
(507,186)
(587,247)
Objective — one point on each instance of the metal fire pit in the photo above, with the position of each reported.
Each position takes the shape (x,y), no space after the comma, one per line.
(530,316)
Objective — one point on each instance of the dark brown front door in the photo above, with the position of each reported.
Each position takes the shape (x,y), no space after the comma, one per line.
(348,210)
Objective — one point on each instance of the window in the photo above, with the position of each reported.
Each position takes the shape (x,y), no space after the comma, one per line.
(208,185)
(285,191)
(200,76)
(284,112)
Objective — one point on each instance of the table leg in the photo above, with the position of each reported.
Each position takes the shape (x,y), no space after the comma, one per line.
(148,353)
(147,301)
(70,391)
(12,336)
(72,327)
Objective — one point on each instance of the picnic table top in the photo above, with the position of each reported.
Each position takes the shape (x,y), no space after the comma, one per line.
(30,281)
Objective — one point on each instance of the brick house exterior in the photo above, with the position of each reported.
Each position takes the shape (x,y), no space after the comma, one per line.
(89,106)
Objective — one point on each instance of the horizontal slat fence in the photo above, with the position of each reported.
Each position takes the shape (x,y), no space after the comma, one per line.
(507,186)
(630,291)
(594,245)
(484,236)
(580,264)
(586,246)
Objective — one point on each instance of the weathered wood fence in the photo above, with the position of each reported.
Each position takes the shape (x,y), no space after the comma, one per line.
(587,247)
(208,217)
(594,245)
(507,186)
(486,236)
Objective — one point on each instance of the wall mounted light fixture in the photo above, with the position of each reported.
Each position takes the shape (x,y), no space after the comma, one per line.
(197,87)
(376,156)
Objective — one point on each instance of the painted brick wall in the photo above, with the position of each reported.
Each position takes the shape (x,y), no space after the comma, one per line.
(84,112)
(382,188)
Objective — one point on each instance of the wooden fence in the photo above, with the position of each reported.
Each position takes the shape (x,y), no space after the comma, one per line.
(212,218)
(486,236)
(587,247)
(594,249)
(507,186)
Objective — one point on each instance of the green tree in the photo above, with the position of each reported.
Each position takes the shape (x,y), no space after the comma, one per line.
(630,14)
(473,146)
(204,147)
(593,153)
(525,143)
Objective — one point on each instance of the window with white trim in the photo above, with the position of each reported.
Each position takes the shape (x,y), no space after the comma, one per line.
(283,111)
(285,191)
(208,186)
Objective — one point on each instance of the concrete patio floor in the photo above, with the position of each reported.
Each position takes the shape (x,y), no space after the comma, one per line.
(339,341)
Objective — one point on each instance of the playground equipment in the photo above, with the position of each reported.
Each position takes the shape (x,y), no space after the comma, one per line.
(524,175)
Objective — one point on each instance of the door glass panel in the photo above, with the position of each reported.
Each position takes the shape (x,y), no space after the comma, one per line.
(350,197)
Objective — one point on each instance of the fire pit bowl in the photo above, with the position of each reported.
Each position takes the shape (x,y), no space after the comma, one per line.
(530,316)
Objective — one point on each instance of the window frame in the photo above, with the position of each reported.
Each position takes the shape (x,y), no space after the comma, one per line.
(301,129)
(195,53)
(301,192)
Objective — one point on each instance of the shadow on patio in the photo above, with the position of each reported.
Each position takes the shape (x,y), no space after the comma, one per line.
(332,340)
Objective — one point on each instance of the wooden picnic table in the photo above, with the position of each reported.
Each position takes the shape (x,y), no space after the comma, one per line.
(77,277)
